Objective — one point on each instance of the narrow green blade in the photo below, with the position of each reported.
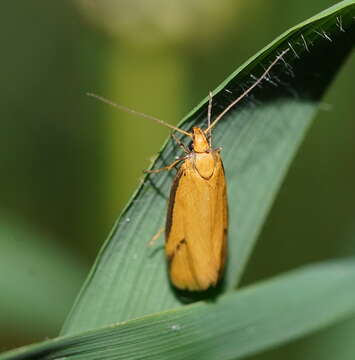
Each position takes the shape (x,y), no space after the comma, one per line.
(234,326)
(259,139)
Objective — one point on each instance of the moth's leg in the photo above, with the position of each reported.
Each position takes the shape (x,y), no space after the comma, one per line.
(169,167)
(180,143)
(156,237)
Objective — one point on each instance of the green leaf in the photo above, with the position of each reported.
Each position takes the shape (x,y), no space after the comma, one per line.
(259,139)
(233,326)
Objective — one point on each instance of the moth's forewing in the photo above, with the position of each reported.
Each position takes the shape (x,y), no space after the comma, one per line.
(196,228)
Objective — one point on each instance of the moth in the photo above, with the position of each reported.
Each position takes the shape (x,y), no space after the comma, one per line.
(197,218)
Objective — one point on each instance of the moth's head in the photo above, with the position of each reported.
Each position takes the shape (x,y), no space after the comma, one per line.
(199,141)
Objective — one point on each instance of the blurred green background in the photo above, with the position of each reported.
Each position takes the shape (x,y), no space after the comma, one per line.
(69,164)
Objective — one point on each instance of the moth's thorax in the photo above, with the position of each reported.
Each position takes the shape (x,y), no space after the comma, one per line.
(200,142)
(204,163)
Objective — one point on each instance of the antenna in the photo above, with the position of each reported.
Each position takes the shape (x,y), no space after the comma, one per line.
(209,112)
(128,110)
(256,83)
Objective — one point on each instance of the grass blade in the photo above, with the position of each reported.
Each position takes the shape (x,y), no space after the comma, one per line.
(259,139)
(234,326)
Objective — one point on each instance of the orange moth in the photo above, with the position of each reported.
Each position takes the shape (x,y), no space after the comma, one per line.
(197,218)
